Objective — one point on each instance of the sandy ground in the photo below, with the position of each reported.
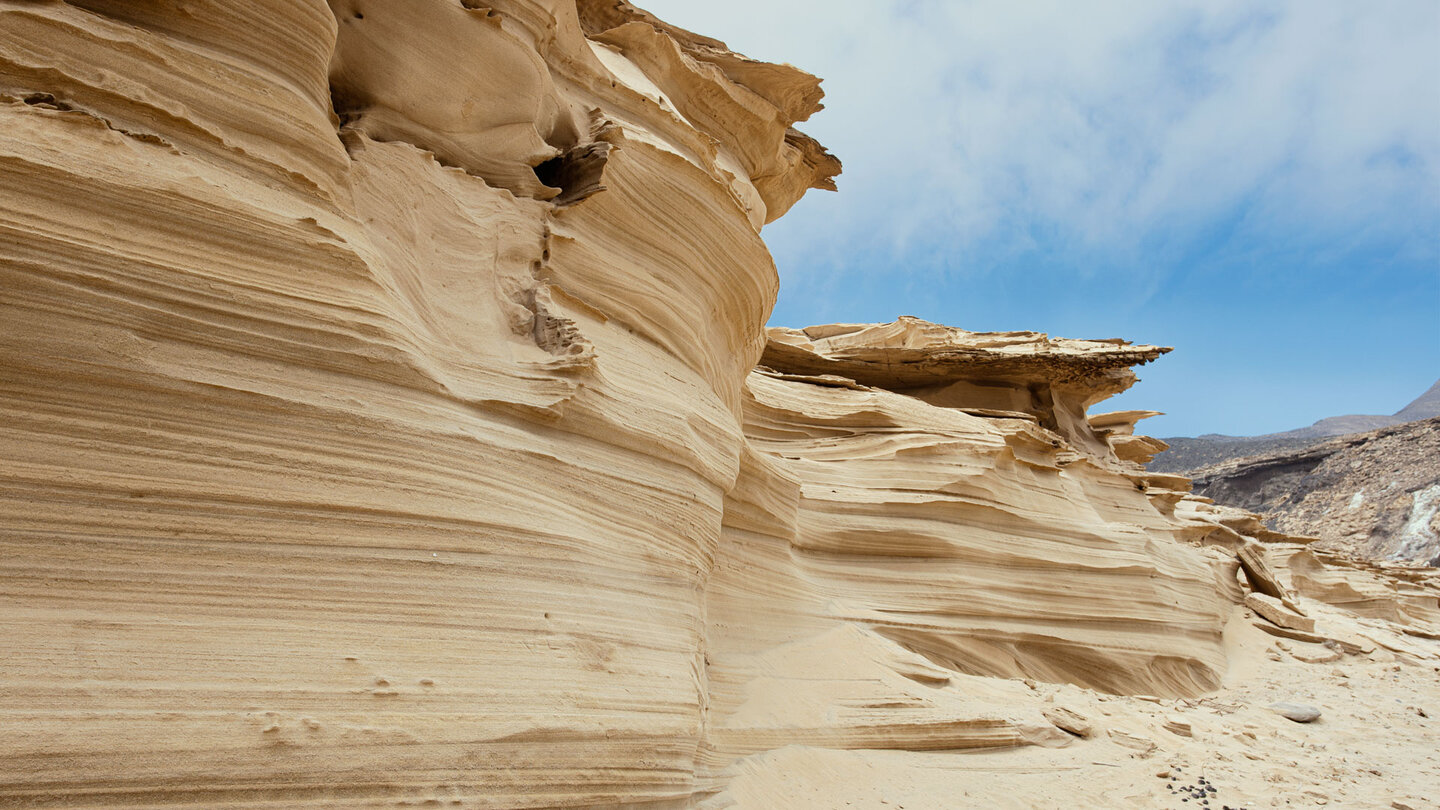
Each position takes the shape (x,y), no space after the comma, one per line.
(1375,744)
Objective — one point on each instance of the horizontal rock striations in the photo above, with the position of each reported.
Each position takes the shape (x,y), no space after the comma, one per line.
(371,374)
(391,421)
(949,524)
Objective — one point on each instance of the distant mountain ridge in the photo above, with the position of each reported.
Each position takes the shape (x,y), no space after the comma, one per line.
(1188,453)
(1422,407)
(1425,406)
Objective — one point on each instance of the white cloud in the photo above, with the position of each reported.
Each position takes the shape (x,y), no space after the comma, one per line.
(1099,126)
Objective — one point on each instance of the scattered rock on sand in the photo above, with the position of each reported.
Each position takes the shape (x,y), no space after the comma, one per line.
(1132,741)
(1354,645)
(1070,720)
(1272,609)
(1177,726)
(1255,563)
(1324,655)
(1293,635)
(1299,712)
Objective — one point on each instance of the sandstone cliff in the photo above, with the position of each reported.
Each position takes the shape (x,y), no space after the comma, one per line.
(391,421)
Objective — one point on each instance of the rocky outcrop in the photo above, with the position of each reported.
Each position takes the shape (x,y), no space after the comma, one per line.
(919,502)
(391,421)
(367,453)
(1187,455)
(1373,495)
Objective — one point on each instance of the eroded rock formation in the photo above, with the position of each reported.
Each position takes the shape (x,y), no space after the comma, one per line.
(384,427)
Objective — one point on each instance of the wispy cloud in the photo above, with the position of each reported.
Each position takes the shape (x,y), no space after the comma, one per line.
(1254,181)
(1103,126)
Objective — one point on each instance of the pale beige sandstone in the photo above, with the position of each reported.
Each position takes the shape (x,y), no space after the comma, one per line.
(337,476)
(940,529)
(417,454)
(1069,720)
(1273,611)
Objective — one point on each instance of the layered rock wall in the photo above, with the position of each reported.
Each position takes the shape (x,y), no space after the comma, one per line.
(383,427)
(347,460)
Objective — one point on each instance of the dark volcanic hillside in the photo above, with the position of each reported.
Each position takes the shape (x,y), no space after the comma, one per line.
(1425,406)
(1374,495)
(1188,454)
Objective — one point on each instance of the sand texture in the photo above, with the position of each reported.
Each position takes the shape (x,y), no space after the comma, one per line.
(391,421)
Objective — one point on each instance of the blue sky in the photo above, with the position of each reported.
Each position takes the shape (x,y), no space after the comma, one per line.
(1254,183)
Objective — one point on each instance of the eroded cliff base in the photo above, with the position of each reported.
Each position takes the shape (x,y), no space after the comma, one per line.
(391,421)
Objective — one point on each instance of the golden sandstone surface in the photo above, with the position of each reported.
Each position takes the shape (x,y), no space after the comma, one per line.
(390,420)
